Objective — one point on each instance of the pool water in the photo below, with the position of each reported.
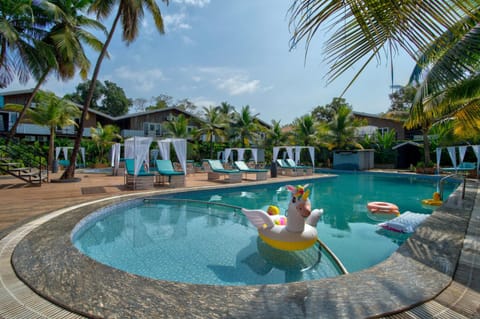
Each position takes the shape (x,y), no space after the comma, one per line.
(209,244)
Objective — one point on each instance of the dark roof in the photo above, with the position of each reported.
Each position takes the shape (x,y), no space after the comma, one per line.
(407,143)
(17,92)
(374,116)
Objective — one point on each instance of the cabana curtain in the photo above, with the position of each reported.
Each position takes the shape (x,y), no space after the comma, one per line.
(64,150)
(137,148)
(298,149)
(180,147)
(462,151)
(240,153)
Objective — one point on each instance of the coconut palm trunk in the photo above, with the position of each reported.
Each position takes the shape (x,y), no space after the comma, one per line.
(69,173)
(13,130)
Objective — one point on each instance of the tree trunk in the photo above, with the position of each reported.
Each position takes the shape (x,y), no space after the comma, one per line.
(13,130)
(426,146)
(69,173)
(51,148)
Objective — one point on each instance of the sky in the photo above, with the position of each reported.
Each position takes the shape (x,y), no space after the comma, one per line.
(238,52)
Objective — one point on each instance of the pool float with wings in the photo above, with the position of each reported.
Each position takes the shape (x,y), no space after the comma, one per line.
(297,230)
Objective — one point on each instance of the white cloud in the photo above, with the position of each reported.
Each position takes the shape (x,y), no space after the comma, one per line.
(175,22)
(142,80)
(238,84)
(195,3)
(202,101)
(233,81)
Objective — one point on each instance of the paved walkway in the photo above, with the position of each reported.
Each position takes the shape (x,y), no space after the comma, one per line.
(461,299)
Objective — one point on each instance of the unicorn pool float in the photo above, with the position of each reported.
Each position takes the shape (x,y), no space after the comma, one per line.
(295,231)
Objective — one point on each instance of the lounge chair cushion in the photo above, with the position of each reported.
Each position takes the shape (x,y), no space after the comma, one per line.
(217,167)
(130,167)
(244,168)
(165,167)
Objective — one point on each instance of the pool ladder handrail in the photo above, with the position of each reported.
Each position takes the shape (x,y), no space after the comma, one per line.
(464,177)
(340,265)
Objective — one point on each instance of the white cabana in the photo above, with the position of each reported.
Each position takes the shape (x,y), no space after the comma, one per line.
(180,146)
(115,157)
(137,148)
(461,155)
(64,150)
(240,153)
(293,152)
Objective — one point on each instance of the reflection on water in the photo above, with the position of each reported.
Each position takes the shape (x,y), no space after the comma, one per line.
(192,242)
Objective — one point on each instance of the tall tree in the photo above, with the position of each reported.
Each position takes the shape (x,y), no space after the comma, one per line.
(245,126)
(52,112)
(327,112)
(162,101)
(61,49)
(340,131)
(366,31)
(178,127)
(104,137)
(213,126)
(275,136)
(81,92)
(23,25)
(305,129)
(130,13)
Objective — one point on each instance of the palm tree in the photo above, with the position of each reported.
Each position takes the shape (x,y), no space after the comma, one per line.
(53,112)
(340,131)
(23,24)
(130,13)
(275,136)
(213,126)
(245,127)
(305,129)
(226,109)
(104,136)
(361,31)
(178,127)
(61,48)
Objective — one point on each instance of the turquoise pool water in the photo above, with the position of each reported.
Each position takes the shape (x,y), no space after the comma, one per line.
(192,242)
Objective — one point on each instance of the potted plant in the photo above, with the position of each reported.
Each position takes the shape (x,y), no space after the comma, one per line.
(419,168)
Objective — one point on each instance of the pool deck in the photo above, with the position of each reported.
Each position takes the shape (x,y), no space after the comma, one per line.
(434,274)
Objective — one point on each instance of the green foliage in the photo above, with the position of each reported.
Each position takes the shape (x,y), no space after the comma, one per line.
(104,137)
(383,150)
(108,97)
(327,112)
(178,127)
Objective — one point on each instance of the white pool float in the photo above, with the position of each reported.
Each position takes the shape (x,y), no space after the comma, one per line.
(298,232)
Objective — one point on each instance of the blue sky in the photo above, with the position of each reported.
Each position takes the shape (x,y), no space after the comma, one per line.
(238,52)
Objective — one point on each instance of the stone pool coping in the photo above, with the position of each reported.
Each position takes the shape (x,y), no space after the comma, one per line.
(417,272)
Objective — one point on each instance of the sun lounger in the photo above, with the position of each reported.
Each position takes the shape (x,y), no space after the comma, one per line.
(300,170)
(217,171)
(260,174)
(467,169)
(143,180)
(285,169)
(166,173)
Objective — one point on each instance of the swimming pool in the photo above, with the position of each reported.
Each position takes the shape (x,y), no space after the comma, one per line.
(226,246)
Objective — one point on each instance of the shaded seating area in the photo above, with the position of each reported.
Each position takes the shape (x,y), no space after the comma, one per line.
(137,174)
(468,169)
(299,169)
(218,172)
(260,174)
(293,156)
(166,173)
(141,179)
(285,169)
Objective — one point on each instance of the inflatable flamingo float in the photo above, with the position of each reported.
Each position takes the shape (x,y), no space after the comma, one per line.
(295,232)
